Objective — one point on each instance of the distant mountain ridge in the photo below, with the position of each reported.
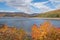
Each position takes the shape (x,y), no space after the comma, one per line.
(14,14)
(50,14)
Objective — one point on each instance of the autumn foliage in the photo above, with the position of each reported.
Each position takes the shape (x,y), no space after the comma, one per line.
(11,33)
(46,31)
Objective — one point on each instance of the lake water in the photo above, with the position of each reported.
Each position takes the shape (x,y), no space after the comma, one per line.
(26,23)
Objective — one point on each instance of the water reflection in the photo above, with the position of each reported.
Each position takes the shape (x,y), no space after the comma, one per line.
(26,23)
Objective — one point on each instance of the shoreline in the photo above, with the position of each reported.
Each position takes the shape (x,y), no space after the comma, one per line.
(33,18)
(47,18)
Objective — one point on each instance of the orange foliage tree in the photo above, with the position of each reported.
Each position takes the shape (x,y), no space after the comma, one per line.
(46,31)
(35,32)
(11,33)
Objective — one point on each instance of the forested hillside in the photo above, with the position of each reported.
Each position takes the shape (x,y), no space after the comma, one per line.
(51,14)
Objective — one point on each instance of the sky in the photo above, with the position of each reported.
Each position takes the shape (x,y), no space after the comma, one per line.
(29,6)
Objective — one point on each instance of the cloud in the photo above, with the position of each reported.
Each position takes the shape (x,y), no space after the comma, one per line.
(1,0)
(25,5)
(56,3)
(45,8)
(22,5)
(55,0)
(17,2)
(42,7)
(6,11)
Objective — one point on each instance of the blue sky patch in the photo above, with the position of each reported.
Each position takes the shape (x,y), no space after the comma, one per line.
(36,1)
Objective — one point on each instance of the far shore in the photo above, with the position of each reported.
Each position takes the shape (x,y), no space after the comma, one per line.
(33,18)
(47,18)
